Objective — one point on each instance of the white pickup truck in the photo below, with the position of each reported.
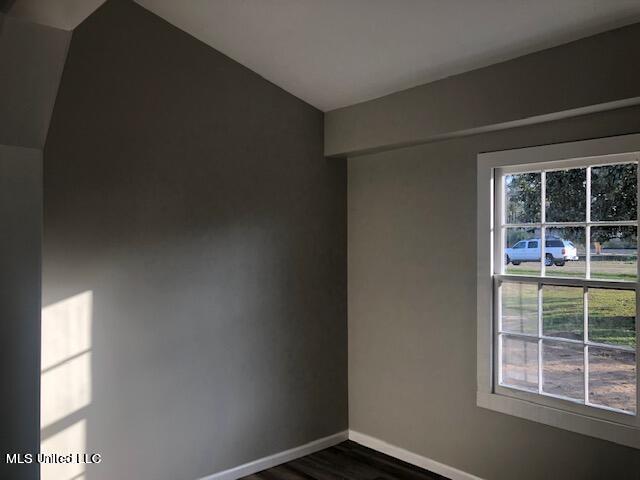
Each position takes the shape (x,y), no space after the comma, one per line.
(557,252)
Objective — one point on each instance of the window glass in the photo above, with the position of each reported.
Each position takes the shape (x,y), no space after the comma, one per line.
(523,198)
(520,362)
(614,192)
(612,378)
(563,312)
(520,307)
(612,317)
(566,253)
(566,195)
(525,259)
(563,369)
(614,253)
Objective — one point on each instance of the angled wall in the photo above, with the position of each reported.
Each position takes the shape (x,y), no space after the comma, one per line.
(32,57)
(190,210)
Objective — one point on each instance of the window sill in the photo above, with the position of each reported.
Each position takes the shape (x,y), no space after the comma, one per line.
(574,422)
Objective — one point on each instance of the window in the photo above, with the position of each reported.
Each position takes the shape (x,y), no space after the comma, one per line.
(574,340)
(557,330)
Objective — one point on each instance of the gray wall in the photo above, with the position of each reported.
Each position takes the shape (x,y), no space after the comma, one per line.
(31,61)
(412,312)
(191,197)
(21,217)
(590,74)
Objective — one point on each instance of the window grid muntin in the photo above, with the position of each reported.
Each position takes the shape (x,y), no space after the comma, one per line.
(542,279)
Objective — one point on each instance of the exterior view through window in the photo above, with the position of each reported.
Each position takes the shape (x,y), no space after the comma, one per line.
(566,264)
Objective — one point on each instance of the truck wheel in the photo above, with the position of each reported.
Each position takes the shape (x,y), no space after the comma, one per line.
(515,262)
(506,259)
(559,263)
(548,260)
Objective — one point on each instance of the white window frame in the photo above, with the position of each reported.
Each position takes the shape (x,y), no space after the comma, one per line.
(622,428)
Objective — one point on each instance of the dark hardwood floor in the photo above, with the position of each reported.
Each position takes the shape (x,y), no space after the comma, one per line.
(346,461)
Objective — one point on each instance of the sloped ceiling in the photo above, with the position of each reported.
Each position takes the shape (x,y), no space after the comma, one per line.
(334,53)
(63,14)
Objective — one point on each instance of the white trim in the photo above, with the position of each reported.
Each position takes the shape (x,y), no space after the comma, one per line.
(560,418)
(582,150)
(410,457)
(279,458)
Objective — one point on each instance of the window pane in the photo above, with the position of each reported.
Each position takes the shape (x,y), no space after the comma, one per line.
(522,198)
(612,316)
(563,312)
(520,362)
(566,195)
(563,369)
(565,252)
(520,307)
(522,252)
(612,378)
(614,253)
(614,192)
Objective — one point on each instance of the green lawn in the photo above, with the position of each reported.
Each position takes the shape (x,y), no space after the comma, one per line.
(610,268)
(611,312)
(623,276)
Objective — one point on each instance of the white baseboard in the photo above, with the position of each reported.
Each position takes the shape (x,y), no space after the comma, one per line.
(410,457)
(279,458)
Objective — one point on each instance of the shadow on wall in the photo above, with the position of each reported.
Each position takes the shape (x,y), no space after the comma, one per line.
(65,383)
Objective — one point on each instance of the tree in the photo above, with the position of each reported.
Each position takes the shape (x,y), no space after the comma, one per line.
(613,197)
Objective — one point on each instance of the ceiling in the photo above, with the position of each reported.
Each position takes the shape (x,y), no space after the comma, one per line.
(333,53)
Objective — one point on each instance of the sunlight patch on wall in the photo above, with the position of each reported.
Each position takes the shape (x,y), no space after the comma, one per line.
(70,440)
(65,389)
(66,329)
(65,383)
